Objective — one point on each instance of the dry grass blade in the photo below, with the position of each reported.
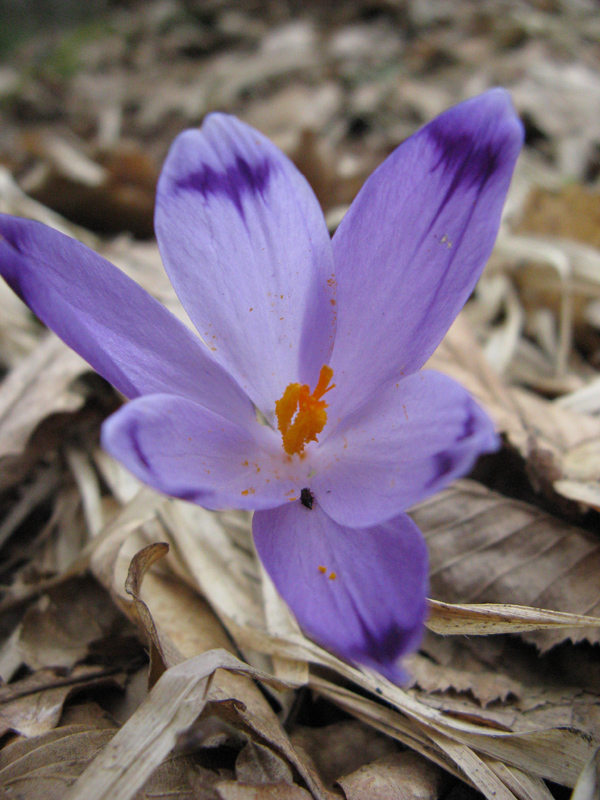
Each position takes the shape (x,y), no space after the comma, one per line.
(473,766)
(176,700)
(588,783)
(490,618)
(539,750)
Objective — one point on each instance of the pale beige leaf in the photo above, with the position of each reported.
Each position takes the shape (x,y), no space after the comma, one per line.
(39,386)
(186,627)
(485,548)
(543,432)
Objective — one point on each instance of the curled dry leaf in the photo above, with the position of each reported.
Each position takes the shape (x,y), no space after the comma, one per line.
(486,548)
(140,564)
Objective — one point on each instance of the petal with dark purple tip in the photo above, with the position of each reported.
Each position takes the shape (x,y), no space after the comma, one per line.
(359,592)
(186,451)
(123,332)
(414,242)
(406,443)
(246,247)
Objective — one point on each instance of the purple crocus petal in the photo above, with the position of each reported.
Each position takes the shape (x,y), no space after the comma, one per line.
(357,591)
(408,442)
(123,332)
(186,451)
(246,247)
(414,242)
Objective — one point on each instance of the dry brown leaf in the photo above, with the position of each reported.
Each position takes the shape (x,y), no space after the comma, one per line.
(228,790)
(485,548)
(43,768)
(60,628)
(173,779)
(341,748)
(256,763)
(398,776)
(485,686)
(34,705)
(573,212)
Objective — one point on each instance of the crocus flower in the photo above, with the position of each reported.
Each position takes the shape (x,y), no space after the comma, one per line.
(301,399)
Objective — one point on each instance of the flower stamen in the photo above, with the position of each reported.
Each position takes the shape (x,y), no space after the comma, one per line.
(301,415)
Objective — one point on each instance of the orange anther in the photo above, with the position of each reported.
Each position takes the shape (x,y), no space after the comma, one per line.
(301,415)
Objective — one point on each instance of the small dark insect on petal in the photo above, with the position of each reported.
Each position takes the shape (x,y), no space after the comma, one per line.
(307,498)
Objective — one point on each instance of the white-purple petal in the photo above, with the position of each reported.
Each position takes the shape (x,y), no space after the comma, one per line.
(123,332)
(246,247)
(414,242)
(403,445)
(186,451)
(359,592)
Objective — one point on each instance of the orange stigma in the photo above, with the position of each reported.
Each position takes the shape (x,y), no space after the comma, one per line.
(301,415)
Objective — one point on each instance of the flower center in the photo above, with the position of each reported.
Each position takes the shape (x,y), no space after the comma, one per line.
(301,415)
